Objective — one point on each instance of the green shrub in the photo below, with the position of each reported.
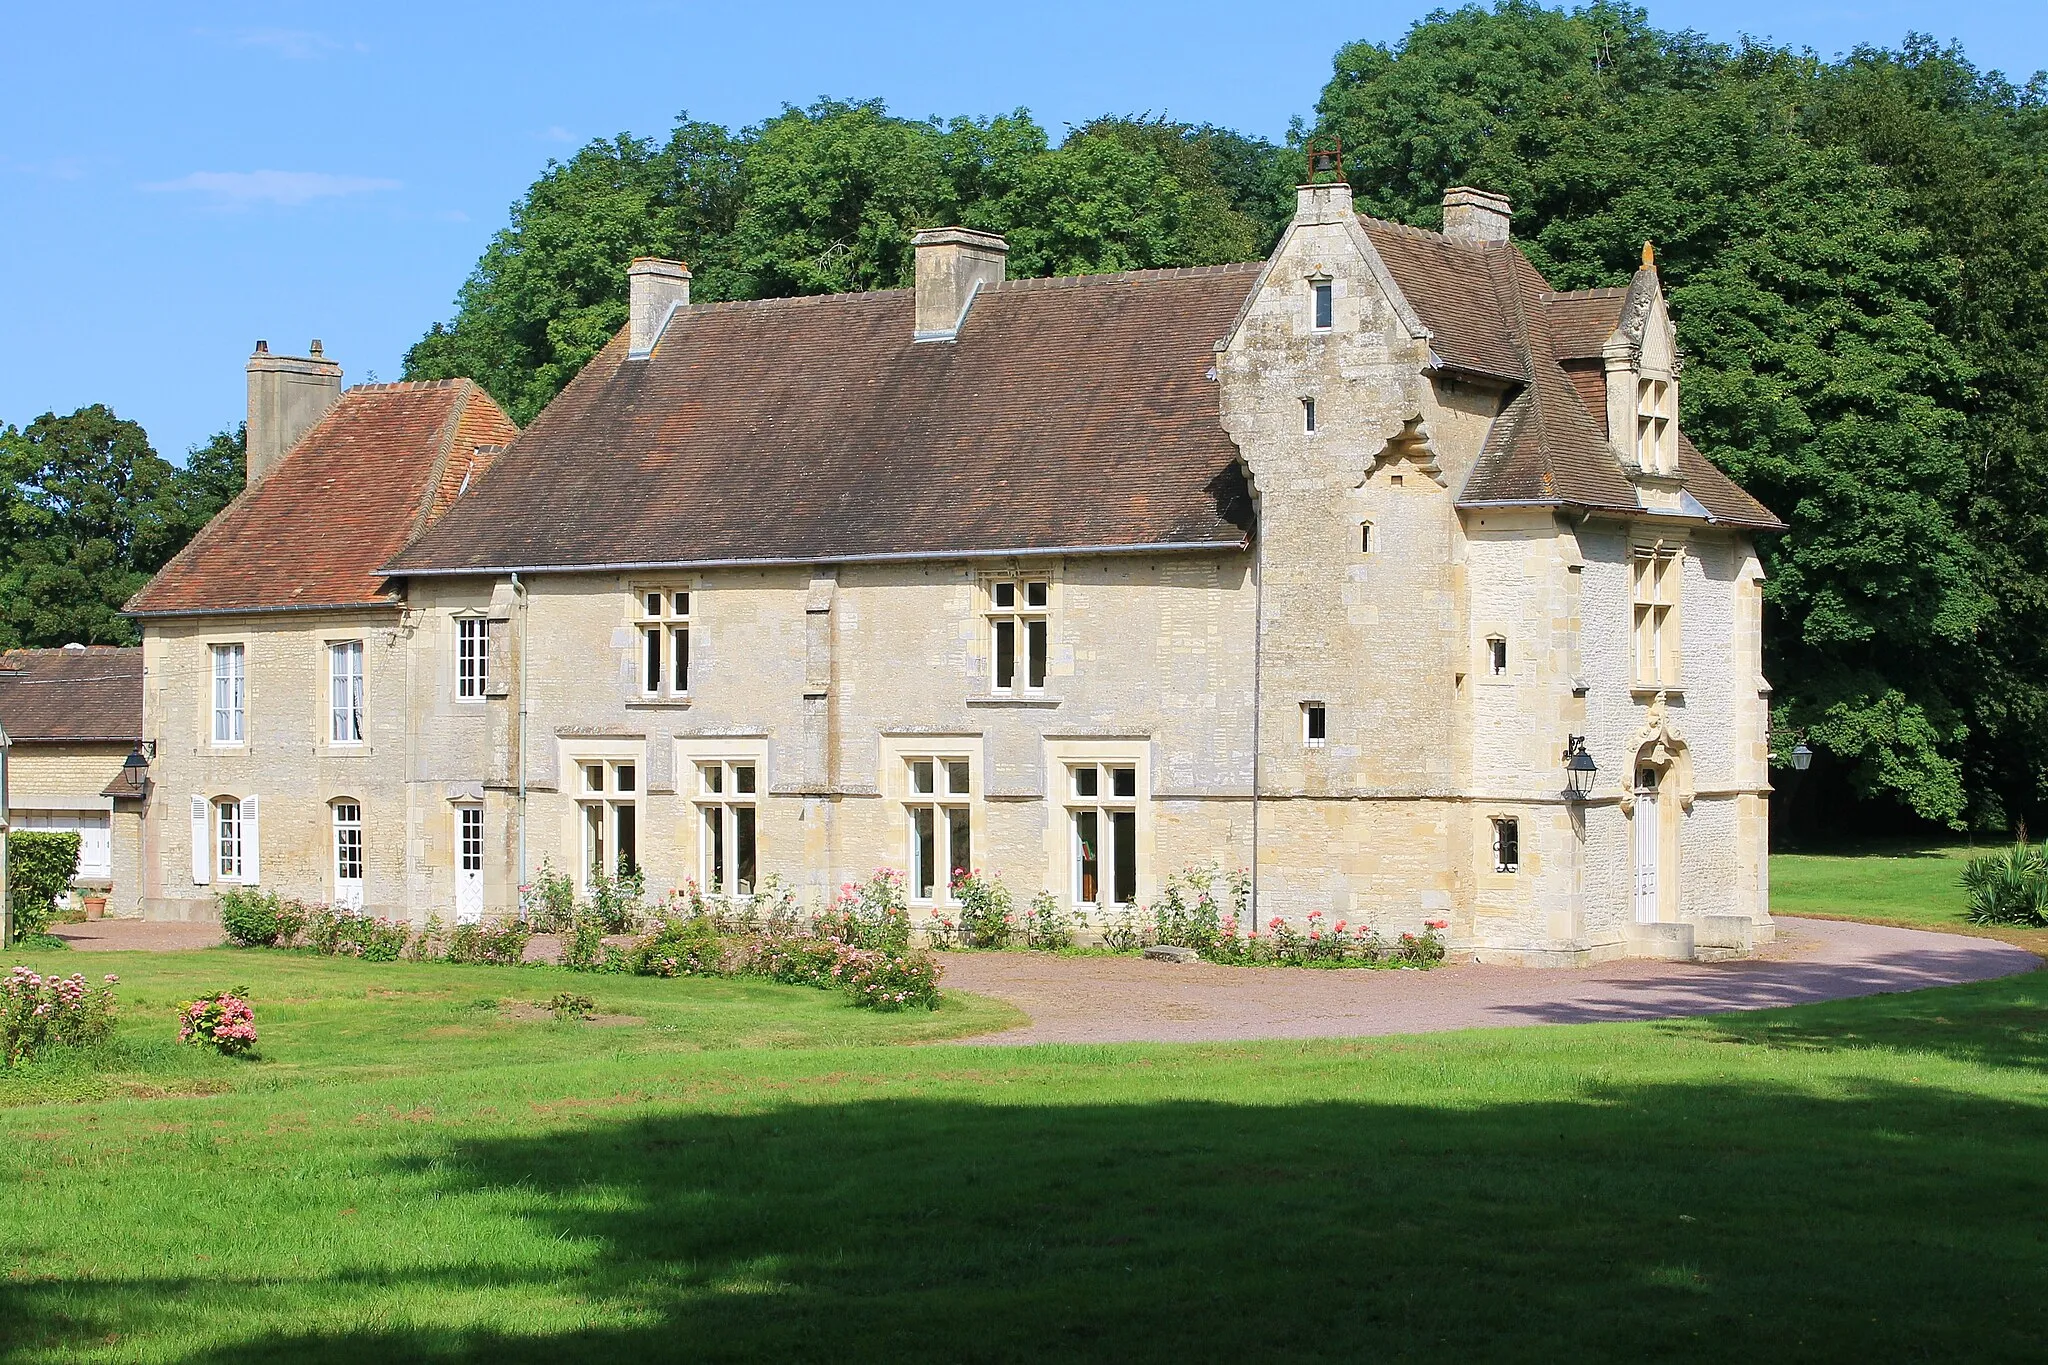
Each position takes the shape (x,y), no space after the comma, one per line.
(1049,925)
(1187,914)
(38,1012)
(40,866)
(873,914)
(682,947)
(501,944)
(255,918)
(569,1007)
(549,903)
(888,981)
(2009,887)
(615,901)
(987,919)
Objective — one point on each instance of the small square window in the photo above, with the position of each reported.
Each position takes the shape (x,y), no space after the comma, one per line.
(713,776)
(1123,782)
(1006,594)
(1085,781)
(682,601)
(1314,724)
(626,777)
(1308,414)
(1035,593)
(654,604)
(743,779)
(1324,306)
(956,777)
(593,777)
(1507,845)
(921,776)
(1497,655)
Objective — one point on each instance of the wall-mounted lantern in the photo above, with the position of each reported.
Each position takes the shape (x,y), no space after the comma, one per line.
(1579,768)
(1802,757)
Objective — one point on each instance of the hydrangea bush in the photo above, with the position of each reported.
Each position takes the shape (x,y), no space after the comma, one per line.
(38,1012)
(225,1022)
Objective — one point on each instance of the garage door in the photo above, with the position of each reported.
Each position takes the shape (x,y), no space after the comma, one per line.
(95,842)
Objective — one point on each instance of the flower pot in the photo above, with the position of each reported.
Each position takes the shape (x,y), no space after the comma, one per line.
(95,906)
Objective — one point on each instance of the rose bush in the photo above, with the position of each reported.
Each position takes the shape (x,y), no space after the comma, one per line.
(225,1022)
(37,1012)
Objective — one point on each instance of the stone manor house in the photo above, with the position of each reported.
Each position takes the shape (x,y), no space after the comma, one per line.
(1323,565)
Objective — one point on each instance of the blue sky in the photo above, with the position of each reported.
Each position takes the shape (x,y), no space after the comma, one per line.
(179,180)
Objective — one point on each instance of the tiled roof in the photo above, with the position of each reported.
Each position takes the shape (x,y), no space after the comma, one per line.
(75,695)
(374,472)
(1490,313)
(1069,413)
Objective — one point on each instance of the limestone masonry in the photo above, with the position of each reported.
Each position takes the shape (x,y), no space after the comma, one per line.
(1332,567)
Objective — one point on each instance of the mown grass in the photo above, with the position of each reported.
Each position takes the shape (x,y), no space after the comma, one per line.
(1913,884)
(405,1175)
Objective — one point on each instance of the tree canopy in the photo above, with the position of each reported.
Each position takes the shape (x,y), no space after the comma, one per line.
(88,511)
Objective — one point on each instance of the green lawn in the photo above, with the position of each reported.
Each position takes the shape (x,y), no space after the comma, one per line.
(1907,883)
(752,1172)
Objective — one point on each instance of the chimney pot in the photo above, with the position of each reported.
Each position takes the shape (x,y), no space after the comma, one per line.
(1475,216)
(952,263)
(315,349)
(287,396)
(654,288)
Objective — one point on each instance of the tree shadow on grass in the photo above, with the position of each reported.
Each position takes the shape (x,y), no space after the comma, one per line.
(1694,1221)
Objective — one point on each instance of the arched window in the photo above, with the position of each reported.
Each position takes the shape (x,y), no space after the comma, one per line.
(347,815)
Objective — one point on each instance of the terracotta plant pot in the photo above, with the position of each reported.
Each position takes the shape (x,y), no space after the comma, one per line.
(95,906)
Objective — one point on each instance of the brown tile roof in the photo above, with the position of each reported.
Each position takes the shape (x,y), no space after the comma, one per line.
(72,695)
(1581,320)
(373,473)
(1069,413)
(1490,313)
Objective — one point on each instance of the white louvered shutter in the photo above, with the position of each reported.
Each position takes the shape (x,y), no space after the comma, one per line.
(202,842)
(252,841)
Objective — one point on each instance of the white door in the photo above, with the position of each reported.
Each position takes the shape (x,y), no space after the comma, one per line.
(469,864)
(348,856)
(95,837)
(1647,844)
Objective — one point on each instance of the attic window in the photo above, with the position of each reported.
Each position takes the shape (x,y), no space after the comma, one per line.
(1497,656)
(1656,431)
(1308,414)
(1324,308)
(1315,725)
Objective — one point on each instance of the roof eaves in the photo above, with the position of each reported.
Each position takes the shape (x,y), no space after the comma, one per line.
(396,569)
(386,603)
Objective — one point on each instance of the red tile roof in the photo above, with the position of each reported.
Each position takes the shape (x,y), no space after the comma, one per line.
(375,471)
(1068,413)
(93,694)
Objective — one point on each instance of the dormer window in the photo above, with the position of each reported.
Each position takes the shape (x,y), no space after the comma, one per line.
(1656,427)
(1325,308)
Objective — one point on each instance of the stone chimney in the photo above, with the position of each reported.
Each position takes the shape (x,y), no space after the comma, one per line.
(655,288)
(287,395)
(953,262)
(1475,215)
(1317,204)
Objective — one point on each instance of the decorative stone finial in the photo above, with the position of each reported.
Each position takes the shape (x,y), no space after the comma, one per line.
(1649,257)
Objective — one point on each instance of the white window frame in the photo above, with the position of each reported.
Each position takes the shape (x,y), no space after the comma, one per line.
(230,695)
(726,805)
(1507,844)
(1100,809)
(939,791)
(1322,304)
(469,837)
(228,844)
(1656,581)
(345,693)
(1012,605)
(608,814)
(472,658)
(663,615)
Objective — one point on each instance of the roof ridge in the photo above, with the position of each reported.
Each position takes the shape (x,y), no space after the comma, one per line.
(397,384)
(1605,291)
(1127,276)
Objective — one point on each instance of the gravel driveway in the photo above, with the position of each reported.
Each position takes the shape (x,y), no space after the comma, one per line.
(1124,1000)
(1121,1000)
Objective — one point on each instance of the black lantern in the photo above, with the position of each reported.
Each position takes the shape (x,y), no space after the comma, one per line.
(135,773)
(1802,757)
(1579,768)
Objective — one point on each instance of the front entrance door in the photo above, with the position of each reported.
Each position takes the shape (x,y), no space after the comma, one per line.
(469,864)
(1648,842)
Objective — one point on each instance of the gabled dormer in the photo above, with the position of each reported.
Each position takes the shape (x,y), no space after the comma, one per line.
(1642,378)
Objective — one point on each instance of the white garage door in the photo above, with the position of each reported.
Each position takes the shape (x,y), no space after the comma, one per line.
(96,837)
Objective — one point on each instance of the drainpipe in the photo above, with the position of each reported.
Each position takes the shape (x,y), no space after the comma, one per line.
(519,589)
(1258,699)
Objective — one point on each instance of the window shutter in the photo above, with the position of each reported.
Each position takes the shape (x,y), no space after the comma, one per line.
(252,871)
(202,842)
